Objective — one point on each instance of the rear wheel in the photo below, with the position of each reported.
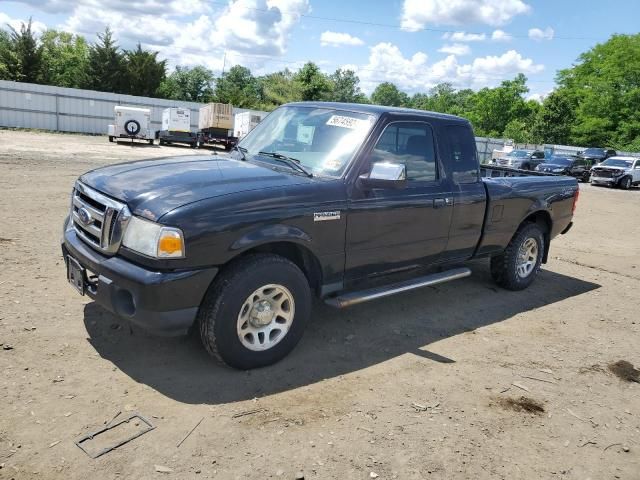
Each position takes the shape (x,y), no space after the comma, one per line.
(255,312)
(111,138)
(517,267)
(625,183)
(586,176)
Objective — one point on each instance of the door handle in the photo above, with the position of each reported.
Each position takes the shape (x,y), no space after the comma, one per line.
(442,202)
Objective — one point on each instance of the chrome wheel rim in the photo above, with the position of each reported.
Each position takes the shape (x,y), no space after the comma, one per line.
(527,257)
(265,317)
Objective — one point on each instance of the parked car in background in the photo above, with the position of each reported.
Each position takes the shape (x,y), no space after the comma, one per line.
(522,159)
(617,172)
(597,155)
(567,165)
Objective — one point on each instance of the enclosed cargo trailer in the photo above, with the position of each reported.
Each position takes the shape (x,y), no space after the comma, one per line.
(131,123)
(176,127)
(244,122)
(215,124)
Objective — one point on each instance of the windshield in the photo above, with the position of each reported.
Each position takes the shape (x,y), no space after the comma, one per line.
(595,152)
(322,140)
(562,161)
(612,162)
(519,153)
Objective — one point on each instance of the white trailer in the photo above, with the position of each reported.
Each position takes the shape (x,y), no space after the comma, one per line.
(244,122)
(131,123)
(176,127)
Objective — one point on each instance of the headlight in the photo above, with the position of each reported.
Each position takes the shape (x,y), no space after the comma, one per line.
(617,173)
(558,170)
(153,240)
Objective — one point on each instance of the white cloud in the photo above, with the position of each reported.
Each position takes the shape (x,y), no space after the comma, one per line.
(249,31)
(458,49)
(539,35)
(414,74)
(16,23)
(336,39)
(416,14)
(464,37)
(501,36)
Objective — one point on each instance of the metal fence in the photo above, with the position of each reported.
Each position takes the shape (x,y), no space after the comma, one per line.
(27,105)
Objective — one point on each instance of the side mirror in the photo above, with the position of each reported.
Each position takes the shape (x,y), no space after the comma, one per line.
(384,175)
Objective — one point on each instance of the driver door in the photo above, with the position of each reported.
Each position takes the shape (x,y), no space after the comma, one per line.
(391,229)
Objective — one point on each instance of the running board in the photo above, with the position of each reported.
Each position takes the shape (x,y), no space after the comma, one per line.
(353,298)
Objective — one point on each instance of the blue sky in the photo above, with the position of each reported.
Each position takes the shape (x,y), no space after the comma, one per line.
(413,43)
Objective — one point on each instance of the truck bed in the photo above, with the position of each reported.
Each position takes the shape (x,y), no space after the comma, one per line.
(513,195)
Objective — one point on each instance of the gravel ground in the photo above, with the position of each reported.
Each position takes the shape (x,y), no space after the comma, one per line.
(426,384)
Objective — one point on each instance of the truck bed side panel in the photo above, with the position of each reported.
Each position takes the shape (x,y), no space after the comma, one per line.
(512,199)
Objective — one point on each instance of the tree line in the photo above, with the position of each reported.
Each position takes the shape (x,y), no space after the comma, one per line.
(595,103)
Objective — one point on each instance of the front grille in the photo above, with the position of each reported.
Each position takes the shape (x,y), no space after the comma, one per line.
(503,162)
(97,219)
(603,173)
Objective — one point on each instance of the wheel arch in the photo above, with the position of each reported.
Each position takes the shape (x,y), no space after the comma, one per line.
(543,219)
(299,254)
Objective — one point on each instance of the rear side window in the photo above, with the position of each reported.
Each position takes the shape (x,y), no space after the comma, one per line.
(463,159)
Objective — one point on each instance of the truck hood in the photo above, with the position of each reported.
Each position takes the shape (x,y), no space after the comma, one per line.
(152,188)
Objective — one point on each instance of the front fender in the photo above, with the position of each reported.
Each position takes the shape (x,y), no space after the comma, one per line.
(269,234)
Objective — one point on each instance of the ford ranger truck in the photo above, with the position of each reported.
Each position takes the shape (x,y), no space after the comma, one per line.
(344,202)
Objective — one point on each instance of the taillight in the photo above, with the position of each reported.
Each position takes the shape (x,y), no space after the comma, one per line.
(575,201)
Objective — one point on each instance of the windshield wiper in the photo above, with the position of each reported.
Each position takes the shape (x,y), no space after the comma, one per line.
(243,152)
(292,162)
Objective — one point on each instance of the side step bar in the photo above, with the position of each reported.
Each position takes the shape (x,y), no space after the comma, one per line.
(353,298)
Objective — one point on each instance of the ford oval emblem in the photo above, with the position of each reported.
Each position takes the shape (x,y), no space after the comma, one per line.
(84,216)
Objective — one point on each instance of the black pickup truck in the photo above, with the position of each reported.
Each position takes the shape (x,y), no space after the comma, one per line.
(345,202)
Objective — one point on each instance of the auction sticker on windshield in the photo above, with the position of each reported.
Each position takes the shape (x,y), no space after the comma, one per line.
(346,122)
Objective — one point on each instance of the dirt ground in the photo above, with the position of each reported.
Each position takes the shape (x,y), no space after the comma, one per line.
(427,384)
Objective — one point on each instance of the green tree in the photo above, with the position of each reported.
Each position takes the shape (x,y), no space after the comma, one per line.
(5,50)
(238,87)
(555,118)
(604,86)
(346,87)
(21,57)
(278,88)
(143,72)
(314,85)
(494,108)
(106,70)
(66,59)
(188,84)
(388,94)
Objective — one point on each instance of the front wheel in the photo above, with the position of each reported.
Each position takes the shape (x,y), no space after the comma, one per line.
(586,176)
(625,183)
(516,268)
(255,312)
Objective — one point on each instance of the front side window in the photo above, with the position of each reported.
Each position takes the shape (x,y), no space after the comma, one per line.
(410,144)
(323,140)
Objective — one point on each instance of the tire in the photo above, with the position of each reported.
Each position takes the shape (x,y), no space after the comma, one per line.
(586,177)
(132,127)
(150,142)
(504,267)
(111,138)
(526,166)
(625,183)
(221,319)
